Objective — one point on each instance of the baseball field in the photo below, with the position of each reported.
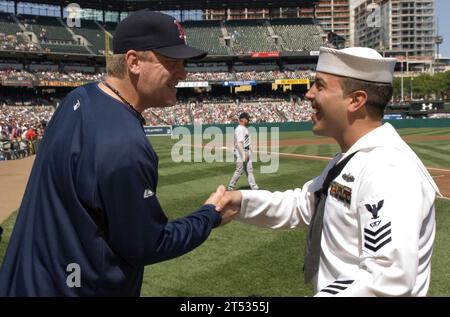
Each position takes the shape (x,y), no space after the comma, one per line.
(242,260)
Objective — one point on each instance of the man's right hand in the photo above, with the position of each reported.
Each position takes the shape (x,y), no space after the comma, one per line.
(230,205)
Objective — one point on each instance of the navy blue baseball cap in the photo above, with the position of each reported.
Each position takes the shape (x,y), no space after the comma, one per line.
(149,30)
(244,115)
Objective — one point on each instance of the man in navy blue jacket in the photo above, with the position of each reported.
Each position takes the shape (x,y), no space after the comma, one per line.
(90,219)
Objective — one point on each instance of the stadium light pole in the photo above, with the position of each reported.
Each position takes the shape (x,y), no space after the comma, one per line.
(438,40)
(411,79)
(401,83)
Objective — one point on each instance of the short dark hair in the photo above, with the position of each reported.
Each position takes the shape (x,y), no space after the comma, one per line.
(378,94)
(244,115)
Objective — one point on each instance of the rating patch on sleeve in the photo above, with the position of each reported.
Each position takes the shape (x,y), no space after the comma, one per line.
(375,239)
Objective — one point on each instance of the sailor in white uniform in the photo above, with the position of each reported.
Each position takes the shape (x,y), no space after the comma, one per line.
(371,213)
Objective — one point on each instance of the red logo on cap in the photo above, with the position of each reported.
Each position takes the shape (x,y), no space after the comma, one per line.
(181,32)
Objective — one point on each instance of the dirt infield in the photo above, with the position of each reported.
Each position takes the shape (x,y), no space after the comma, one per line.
(442,179)
(440,176)
(14,174)
(13,179)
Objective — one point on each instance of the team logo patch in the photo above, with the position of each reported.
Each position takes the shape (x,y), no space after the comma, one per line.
(148,193)
(76,105)
(341,192)
(181,33)
(374,240)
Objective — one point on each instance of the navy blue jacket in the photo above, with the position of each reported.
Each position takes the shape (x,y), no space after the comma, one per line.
(91,200)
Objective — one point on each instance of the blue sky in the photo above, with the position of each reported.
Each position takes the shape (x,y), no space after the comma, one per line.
(442,9)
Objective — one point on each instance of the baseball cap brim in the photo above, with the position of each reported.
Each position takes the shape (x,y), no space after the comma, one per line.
(181,51)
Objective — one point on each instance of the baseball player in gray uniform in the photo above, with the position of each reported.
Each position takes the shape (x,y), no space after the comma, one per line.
(242,153)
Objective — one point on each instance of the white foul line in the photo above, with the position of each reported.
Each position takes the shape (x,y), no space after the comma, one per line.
(327,158)
(322,158)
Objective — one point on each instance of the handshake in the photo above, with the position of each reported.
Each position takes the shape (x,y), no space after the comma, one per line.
(228,203)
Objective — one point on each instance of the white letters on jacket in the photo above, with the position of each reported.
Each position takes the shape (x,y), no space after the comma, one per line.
(379,222)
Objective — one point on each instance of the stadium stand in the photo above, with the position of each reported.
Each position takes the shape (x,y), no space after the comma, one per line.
(249,36)
(50,59)
(299,35)
(11,35)
(94,34)
(206,35)
(221,38)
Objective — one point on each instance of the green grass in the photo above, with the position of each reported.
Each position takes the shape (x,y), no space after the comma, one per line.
(242,260)
(424,131)
(440,263)
(433,153)
(7,226)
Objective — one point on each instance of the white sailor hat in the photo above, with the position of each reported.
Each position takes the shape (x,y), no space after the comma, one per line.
(356,62)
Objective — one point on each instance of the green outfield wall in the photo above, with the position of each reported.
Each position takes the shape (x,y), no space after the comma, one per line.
(306,126)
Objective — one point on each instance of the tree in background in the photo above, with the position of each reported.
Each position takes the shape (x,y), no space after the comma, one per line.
(425,86)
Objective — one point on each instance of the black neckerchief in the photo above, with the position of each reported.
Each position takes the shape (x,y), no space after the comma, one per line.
(333,173)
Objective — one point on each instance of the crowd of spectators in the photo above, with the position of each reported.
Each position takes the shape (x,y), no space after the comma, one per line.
(12,43)
(209,76)
(226,111)
(439,116)
(21,129)
(250,75)
(179,114)
(69,76)
(22,123)
(261,75)
(300,74)
(19,75)
(195,76)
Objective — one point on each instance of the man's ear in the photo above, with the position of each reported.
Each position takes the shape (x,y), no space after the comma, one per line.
(358,99)
(132,60)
